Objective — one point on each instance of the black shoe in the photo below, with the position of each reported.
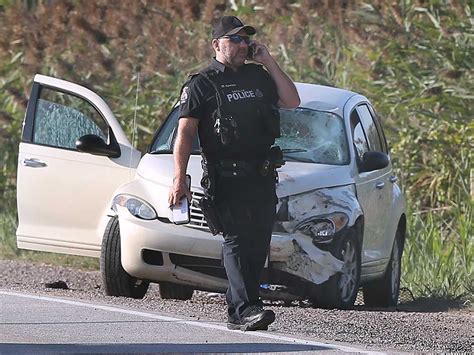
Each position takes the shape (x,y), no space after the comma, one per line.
(233,323)
(256,319)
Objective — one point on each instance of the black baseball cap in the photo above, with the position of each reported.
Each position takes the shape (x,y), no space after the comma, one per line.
(230,25)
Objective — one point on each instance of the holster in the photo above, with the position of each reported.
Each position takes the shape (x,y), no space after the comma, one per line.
(207,203)
(275,157)
(208,209)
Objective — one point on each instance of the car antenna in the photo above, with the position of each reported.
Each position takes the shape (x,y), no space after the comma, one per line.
(134,125)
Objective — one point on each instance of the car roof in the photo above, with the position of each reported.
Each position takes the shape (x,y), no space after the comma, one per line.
(325,98)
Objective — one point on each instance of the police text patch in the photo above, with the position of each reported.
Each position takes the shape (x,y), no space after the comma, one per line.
(237,95)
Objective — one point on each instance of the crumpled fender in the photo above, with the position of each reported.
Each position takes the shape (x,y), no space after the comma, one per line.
(298,256)
(294,252)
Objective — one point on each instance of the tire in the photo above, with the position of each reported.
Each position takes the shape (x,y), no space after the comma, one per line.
(385,292)
(169,290)
(340,291)
(115,280)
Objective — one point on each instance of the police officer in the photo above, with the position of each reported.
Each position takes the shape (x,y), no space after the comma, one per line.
(231,105)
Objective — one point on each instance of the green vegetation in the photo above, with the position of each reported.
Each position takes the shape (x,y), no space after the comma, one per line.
(413,59)
(439,256)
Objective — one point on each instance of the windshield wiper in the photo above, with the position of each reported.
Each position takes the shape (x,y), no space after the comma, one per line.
(301,160)
(162,151)
(170,151)
(294,150)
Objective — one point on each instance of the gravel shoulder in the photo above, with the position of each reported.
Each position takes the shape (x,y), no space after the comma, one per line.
(416,326)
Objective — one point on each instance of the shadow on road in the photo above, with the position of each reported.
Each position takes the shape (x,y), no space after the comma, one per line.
(15,348)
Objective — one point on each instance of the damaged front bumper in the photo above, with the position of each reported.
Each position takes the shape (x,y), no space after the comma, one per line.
(297,255)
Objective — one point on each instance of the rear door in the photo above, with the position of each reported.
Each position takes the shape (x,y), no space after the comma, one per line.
(63,195)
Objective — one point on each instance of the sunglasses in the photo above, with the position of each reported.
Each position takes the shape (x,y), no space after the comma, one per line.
(237,38)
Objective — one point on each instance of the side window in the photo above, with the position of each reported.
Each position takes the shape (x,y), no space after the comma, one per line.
(369,128)
(60,119)
(358,135)
(378,124)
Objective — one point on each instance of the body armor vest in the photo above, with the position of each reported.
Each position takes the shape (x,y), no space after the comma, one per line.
(244,123)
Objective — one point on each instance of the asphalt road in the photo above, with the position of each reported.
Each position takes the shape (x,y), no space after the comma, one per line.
(40,324)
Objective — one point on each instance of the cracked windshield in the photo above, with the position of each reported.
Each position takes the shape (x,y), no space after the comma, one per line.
(313,137)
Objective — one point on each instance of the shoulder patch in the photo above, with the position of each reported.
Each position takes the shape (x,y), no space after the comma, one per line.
(184,95)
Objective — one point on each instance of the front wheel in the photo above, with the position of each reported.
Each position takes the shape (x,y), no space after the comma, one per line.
(340,291)
(384,292)
(115,280)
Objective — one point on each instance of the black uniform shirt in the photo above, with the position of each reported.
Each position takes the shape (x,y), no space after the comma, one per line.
(246,92)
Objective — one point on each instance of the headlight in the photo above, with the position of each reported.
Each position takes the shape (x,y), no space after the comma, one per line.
(322,228)
(135,206)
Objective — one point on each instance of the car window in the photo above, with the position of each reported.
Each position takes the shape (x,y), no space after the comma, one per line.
(358,135)
(378,124)
(61,118)
(369,128)
(313,136)
(164,139)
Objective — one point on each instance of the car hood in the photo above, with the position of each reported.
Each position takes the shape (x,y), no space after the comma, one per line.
(294,177)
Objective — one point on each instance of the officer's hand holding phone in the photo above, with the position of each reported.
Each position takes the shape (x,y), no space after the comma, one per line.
(258,52)
(179,206)
(179,189)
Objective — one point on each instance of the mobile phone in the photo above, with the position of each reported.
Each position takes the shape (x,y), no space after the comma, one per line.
(181,214)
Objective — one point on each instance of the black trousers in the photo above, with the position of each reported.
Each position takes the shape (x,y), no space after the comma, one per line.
(246,208)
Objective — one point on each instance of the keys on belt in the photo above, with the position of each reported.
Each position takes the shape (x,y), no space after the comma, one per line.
(265,168)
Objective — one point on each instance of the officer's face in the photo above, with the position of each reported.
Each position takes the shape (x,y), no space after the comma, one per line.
(231,53)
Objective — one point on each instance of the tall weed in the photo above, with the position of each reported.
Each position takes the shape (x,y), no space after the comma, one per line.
(438,258)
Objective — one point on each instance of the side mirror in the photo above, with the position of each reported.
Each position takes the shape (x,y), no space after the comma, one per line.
(373,161)
(90,143)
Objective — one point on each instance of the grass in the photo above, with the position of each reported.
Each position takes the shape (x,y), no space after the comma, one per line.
(439,256)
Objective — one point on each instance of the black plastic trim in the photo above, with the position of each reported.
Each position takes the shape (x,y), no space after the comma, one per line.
(152,257)
(208,266)
(27,135)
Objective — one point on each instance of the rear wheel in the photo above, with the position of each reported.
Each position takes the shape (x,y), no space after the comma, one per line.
(115,280)
(340,291)
(169,290)
(384,292)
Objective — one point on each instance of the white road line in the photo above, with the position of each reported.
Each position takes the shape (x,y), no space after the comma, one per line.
(193,323)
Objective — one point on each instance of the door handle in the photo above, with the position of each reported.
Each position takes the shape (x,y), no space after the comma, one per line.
(379,185)
(33,163)
(393,179)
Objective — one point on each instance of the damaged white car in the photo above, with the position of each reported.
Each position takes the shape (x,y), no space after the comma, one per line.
(83,189)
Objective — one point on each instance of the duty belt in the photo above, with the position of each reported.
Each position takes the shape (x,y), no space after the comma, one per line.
(242,168)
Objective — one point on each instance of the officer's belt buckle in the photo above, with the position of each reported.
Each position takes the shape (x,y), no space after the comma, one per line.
(232,168)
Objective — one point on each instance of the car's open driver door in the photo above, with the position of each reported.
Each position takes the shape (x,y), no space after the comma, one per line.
(63,194)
